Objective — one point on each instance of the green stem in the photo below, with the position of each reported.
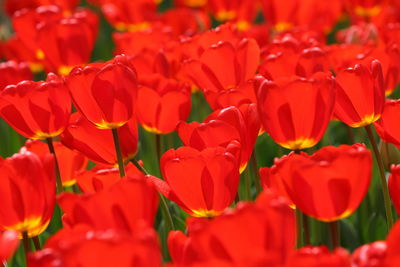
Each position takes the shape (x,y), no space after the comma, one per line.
(169,223)
(118,152)
(306,228)
(350,134)
(257,179)
(163,202)
(36,242)
(247,183)
(27,245)
(385,190)
(57,166)
(299,228)
(335,235)
(158,150)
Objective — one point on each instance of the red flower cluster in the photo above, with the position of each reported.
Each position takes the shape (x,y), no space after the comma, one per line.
(200,108)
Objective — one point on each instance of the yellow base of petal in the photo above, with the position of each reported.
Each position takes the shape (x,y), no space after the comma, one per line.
(33,226)
(369,119)
(300,143)
(205,213)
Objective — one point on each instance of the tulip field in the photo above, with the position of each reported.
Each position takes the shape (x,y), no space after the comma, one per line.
(199,133)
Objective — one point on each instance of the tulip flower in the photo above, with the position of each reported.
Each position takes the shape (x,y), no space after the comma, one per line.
(133,43)
(295,111)
(71,163)
(287,58)
(88,247)
(273,178)
(312,182)
(104,94)
(124,205)
(9,242)
(224,66)
(392,257)
(126,15)
(223,126)
(57,41)
(14,5)
(67,43)
(36,110)
(360,93)
(241,12)
(319,256)
(280,14)
(387,126)
(186,21)
(319,15)
(97,144)
(266,236)
(14,49)
(394,186)
(212,184)
(96,180)
(12,72)
(369,255)
(27,193)
(195,47)
(162,103)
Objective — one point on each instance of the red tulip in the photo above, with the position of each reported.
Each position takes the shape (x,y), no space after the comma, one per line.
(265,238)
(319,15)
(26,22)
(222,127)
(71,163)
(126,15)
(312,182)
(319,256)
(86,247)
(211,186)
(282,15)
(126,204)
(133,43)
(242,12)
(191,3)
(195,47)
(287,57)
(387,126)
(360,93)
(394,186)
(295,111)
(392,257)
(27,193)
(186,21)
(98,145)
(104,94)
(96,180)
(162,103)
(57,41)
(15,5)
(68,42)
(273,178)
(9,242)
(365,8)
(224,66)
(369,255)
(389,58)
(12,72)
(36,110)
(15,50)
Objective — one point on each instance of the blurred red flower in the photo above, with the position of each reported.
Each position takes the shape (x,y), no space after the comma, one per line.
(36,110)
(27,193)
